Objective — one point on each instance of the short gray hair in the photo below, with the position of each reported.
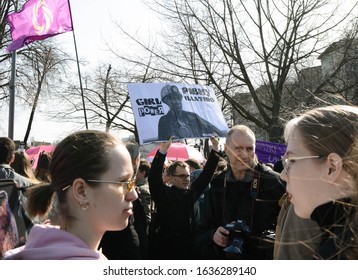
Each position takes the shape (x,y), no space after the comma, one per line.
(243,129)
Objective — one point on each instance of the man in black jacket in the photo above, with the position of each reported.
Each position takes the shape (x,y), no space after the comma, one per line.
(175,203)
(248,191)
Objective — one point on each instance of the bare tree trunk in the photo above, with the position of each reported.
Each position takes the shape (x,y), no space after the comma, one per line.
(32,114)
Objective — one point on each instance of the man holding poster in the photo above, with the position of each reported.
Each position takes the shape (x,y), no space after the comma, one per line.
(164,110)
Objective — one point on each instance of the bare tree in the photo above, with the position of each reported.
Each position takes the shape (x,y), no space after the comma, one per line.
(106,97)
(238,46)
(40,70)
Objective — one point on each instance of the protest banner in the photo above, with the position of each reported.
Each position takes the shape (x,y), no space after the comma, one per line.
(269,152)
(162,110)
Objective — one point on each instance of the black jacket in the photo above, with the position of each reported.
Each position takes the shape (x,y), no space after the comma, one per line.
(336,222)
(175,209)
(254,201)
(130,243)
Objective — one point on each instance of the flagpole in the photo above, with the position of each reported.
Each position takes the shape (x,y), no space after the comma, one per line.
(12,96)
(78,66)
(12,93)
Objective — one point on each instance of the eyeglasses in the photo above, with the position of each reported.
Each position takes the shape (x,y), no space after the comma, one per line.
(182,176)
(287,162)
(129,184)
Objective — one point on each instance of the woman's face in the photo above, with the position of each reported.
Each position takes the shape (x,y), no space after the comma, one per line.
(306,186)
(111,204)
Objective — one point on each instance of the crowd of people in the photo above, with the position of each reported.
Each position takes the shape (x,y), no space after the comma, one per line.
(96,197)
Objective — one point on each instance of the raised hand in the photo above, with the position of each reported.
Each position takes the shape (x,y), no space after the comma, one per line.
(164,146)
(215,143)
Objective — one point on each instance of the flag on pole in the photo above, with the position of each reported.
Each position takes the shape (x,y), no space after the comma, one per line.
(38,20)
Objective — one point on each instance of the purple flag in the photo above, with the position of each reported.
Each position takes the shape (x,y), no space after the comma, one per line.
(269,152)
(38,20)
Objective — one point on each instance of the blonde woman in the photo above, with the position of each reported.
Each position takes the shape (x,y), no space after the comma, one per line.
(321,175)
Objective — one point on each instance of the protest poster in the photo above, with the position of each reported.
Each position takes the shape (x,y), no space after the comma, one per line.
(269,152)
(162,110)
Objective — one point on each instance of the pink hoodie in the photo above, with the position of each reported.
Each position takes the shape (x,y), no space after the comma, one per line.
(47,242)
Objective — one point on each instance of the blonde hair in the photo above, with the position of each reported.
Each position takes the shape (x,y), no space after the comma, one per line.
(325,130)
(333,129)
(22,166)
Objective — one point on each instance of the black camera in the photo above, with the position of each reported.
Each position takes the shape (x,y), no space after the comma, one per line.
(238,231)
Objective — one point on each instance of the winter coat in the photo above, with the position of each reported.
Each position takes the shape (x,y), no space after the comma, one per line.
(336,222)
(142,188)
(7,172)
(175,209)
(296,238)
(253,200)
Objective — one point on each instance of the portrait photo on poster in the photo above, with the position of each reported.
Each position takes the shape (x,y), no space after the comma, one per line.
(182,111)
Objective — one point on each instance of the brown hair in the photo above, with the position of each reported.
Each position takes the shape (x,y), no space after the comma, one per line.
(22,166)
(42,171)
(173,167)
(83,154)
(7,148)
(192,162)
(144,165)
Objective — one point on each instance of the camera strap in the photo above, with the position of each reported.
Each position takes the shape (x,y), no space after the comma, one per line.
(254,189)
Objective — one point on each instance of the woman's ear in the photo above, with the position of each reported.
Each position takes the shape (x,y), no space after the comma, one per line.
(339,177)
(335,166)
(79,187)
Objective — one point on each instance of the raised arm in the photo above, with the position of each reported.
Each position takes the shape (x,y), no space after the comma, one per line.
(155,180)
(200,184)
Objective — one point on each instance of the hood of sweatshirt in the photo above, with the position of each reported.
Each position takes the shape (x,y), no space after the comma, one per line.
(47,242)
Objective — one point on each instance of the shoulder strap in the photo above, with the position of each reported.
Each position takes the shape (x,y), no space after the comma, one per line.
(255,184)
(254,189)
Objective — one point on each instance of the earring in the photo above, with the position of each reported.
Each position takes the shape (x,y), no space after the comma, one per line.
(84,205)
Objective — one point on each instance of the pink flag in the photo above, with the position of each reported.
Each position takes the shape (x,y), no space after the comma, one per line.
(38,20)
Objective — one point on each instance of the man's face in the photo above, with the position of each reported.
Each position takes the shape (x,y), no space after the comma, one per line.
(174,102)
(240,150)
(181,178)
